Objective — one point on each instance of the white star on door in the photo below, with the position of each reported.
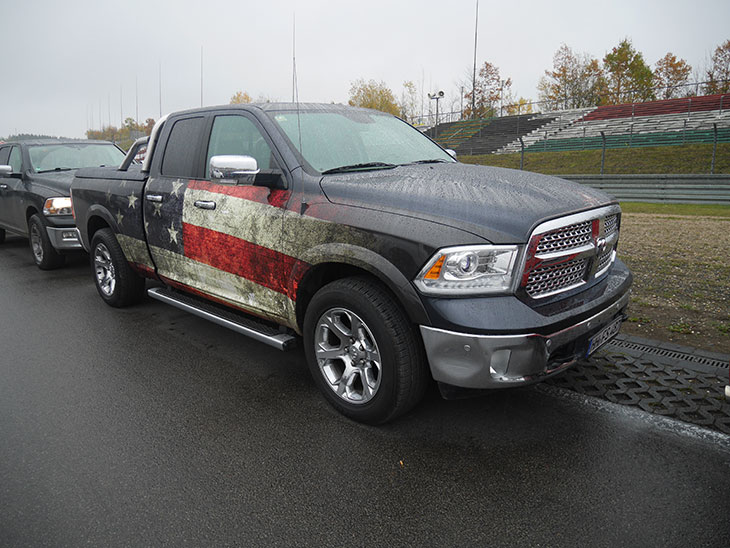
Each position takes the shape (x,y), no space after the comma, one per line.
(173,234)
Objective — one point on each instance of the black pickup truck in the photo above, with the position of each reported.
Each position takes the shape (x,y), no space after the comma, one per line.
(35,178)
(395,263)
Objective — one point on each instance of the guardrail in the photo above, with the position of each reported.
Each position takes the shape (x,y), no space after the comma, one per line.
(680,189)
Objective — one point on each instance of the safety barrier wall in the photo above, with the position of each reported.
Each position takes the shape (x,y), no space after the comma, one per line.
(684,189)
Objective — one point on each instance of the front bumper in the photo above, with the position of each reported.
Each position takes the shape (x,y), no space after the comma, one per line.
(64,239)
(496,361)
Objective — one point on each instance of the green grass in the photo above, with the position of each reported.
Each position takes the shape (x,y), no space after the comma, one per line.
(695,158)
(706,210)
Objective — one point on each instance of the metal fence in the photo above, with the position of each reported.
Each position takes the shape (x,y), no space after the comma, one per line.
(685,92)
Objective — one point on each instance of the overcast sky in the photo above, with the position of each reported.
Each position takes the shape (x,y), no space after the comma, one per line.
(66,61)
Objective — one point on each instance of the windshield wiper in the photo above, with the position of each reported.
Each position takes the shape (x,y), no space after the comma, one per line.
(433,161)
(357,167)
(56,169)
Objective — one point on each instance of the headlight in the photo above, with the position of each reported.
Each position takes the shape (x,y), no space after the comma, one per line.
(57,206)
(469,270)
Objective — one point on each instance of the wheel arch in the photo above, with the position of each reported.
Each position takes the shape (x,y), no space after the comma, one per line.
(331,262)
(97,218)
(29,212)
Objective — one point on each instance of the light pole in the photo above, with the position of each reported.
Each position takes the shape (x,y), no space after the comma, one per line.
(501,97)
(436,96)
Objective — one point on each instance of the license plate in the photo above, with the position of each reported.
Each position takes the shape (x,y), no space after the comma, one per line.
(604,335)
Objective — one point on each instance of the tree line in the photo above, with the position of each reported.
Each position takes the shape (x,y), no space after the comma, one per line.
(124,136)
(576,80)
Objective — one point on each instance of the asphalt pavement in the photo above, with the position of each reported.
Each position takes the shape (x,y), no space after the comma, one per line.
(150,427)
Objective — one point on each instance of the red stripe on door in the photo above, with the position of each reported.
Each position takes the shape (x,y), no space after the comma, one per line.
(261,265)
(259,194)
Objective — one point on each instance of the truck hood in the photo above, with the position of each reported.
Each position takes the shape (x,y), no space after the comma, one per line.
(55,181)
(500,205)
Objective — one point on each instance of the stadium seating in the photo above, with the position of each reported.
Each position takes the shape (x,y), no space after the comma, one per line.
(555,122)
(653,123)
(498,133)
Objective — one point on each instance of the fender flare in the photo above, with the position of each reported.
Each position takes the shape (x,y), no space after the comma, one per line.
(371,262)
(96,210)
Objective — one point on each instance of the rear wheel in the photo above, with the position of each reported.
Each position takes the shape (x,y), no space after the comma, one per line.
(363,352)
(44,254)
(115,281)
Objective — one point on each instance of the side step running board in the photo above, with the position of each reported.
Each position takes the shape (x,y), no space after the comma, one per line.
(225,317)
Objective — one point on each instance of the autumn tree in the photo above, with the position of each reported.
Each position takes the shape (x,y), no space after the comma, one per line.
(489,90)
(576,81)
(375,95)
(125,135)
(521,106)
(408,101)
(718,75)
(628,77)
(240,97)
(670,75)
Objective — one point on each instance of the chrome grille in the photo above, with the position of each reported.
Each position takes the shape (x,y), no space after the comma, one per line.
(556,277)
(567,252)
(563,239)
(604,260)
(610,224)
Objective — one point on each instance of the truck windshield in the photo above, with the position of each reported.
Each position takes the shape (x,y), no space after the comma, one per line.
(341,140)
(73,156)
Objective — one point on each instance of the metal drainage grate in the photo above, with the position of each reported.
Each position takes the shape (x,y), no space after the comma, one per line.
(670,354)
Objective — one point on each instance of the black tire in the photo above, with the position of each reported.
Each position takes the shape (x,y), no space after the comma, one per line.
(2,235)
(44,254)
(402,377)
(115,281)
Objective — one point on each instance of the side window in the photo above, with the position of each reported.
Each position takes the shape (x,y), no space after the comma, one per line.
(182,147)
(239,136)
(15,161)
(4,153)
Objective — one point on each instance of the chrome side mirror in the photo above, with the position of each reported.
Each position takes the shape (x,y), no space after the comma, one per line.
(452,153)
(6,171)
(243,168)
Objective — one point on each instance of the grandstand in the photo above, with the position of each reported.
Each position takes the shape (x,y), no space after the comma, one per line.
(654,123)
(473,137)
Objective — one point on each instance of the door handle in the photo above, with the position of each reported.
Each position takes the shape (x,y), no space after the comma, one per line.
(204,204)
(154,198)
(3,186)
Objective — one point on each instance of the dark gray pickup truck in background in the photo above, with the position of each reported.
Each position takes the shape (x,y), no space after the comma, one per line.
(35,178)
(348,227)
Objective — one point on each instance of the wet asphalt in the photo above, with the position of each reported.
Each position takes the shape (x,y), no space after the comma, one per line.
(150,427)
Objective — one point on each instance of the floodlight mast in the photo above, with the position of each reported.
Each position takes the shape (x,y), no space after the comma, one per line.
(474,72)
(436,96)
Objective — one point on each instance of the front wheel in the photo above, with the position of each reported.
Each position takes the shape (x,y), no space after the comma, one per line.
(363,352)
(115,281)
(44,254)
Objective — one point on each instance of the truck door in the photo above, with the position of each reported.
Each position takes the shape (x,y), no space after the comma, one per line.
(11,192)
(230,232)
(4,189)
(164,196)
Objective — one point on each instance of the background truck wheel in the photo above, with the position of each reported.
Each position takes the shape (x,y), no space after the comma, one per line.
(115,281)
(2,235)
(363,352)
(44,254)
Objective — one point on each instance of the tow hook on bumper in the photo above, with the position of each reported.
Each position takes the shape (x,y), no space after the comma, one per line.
(496,361)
